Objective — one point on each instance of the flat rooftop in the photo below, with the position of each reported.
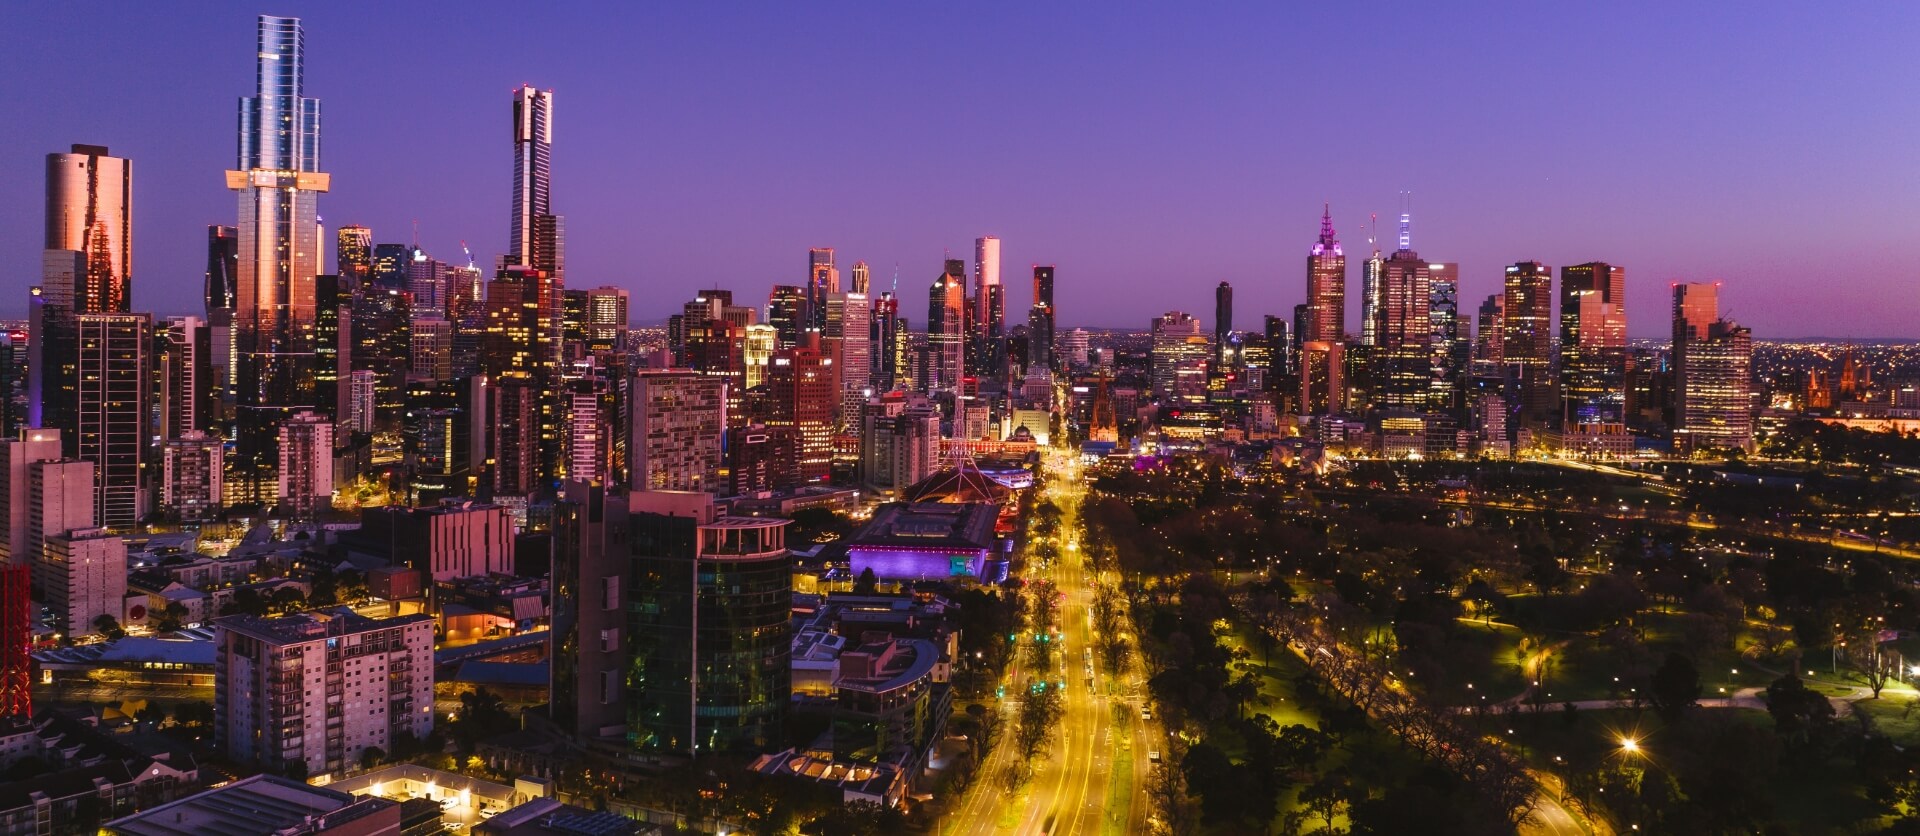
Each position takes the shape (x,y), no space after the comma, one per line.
(308,626)
(248,807)
(929,525)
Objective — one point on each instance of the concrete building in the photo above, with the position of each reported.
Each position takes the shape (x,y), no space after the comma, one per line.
(317,689)
(454,539)
(306,462)
(17,457)
(115,382)
(59,499)
(678,420)
(588,671)
(899,442)
(83,576)
(191,469)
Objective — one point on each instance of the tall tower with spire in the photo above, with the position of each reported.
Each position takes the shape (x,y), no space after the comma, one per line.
(279,182)
(1403,330)
(1326,285)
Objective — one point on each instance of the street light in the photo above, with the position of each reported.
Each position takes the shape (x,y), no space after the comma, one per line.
(1629,745)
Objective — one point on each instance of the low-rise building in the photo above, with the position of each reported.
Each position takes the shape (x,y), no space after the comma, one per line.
(265,804)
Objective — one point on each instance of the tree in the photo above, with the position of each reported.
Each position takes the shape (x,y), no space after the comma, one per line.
(867,583)
(151,714)
(108,626)
(1328,797)
(371,757)
(1676,686)
(1798,712)
(171,617)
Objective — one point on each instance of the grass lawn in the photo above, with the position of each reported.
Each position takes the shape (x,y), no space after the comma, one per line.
(1895,714)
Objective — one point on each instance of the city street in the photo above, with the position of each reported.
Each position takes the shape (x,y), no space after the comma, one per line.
(1094,775)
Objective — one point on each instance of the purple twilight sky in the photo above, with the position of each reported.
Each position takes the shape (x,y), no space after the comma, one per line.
(1148,150)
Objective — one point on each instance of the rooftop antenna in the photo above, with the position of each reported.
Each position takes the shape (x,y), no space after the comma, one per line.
(463,248)
(896,280)
(1373,231)
(416,233)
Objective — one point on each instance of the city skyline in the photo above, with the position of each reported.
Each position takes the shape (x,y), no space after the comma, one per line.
(671,182)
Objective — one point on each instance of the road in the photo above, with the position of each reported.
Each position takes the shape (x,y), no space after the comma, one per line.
(1074,787)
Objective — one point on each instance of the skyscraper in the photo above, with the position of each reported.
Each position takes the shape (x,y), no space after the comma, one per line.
(1696,306)
(223,267)
(306,463)
(1326,286)
(1403,330)
(1452,351)
(115,379)
(353,253)
(1179,358)
(1370,274)
(802,388)
(279,182)
(823,278)
(1717,412)
(1593,342)
(849,341)
(90,211)
(1526,323)
(862,278)
(588,673)
(1040,320)
(946,324)
(1491,347)
(532,174)
(988,327)
(679,417)
(787,313)
(606,319)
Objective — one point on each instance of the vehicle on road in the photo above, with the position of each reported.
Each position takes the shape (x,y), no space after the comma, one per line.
(1153,756)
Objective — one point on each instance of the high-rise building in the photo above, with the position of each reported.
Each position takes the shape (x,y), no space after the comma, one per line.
(588,675)
(532,175)
(316,690)
(1040,320)
(787,313)
(1593,342)
(511,435)
(802,390)
(849,342)
(184,394)
(192,465)
(223,293)
(279,182)
(1452,336)
(1322,366)
(679,417)
(606,319)
(1326,286)
(888,343)
(899,442)
(1491,347)
(589,429)
(1526,323)
(988,323)
(60,497)
(1371,273)
(760,458)
(427,284)
(223,267)
(431,357)
(1223,366)
(1696,306)
(823,278)
(19,542)
(1179,358)
(353,253)
(1402,350)
(708,626)
(84,578)
(360,402)
(1717,410)
(946,328)
(756,353)
(306,463)
(114,381)
(90,211)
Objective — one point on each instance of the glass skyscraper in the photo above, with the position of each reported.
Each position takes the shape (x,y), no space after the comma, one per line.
(279,183)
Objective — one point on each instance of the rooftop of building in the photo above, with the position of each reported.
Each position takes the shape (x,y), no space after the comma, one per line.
(547,816)
(885,664)
(247,807)
(961,484)
(338,621)
(193,649)
(929,525)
